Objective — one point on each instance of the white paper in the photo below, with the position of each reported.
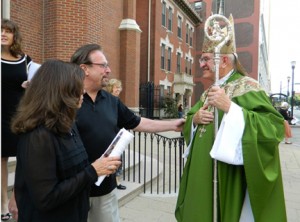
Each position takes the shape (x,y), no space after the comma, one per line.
(32,69)
(117,147)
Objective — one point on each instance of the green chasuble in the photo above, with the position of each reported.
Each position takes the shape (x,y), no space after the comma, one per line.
(260,174)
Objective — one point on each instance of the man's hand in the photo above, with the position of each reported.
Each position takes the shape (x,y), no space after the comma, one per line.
(179,123)
(217,98)
(203,116)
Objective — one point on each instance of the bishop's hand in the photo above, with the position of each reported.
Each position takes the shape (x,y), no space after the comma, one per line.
(203,116)
(218,98)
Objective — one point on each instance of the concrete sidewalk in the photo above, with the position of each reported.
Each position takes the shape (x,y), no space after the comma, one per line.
(158,208)
(290,165)
(151,208)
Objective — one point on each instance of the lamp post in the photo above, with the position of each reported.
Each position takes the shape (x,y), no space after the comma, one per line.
(288,91)
(293,63)
(280,91)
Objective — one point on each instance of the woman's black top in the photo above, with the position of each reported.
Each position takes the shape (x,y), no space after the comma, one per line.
(285,114)
(13,74)
(53,177)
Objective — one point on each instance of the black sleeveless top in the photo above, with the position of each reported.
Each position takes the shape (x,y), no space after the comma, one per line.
(14,73)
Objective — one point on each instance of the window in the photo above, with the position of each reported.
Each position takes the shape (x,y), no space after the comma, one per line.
(198,5)
(179,27)
(163,14)
(162,60)
(178,67)
(161,95)
(187,34)
(186,64)
(169,59)
(170,19)
(191,37)
(169,90)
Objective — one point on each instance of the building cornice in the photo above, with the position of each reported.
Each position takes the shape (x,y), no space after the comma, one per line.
(189,10)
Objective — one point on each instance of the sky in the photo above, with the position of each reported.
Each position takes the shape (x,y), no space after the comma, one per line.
(284,44)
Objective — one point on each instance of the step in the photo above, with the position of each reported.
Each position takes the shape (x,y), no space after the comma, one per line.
(11,164)
(133,189)
(11,173)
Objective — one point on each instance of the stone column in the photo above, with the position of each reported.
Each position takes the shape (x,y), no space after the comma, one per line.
(130,37)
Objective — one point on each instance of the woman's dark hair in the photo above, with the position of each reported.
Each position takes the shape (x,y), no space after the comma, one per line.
(51,99)
(16,47)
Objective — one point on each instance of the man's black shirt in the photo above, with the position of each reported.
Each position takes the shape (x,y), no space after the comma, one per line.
(98,123)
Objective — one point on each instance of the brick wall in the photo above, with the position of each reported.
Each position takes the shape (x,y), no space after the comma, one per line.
(56,28)
(28,16)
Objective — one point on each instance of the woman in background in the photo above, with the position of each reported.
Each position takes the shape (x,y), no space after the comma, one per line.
(287,118)
(14,66)
(180,111)
(115,88)
(53,174)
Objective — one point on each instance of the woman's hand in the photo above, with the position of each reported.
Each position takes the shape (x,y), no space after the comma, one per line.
(25,84)
(106,165)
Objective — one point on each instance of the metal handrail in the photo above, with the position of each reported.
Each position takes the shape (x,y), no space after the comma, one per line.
(154,160)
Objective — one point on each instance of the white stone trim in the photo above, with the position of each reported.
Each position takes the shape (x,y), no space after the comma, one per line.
(167,43)
(165,83)
(168,4)
(189,24)
(189,56)
(129,24)
(180,51)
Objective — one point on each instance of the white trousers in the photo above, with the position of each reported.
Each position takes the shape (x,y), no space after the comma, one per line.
(104,208)
(247,215)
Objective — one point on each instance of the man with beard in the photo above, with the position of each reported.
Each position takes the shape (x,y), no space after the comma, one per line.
(99,120)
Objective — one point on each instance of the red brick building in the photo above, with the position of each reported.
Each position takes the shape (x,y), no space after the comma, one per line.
(144,41)
(131,33)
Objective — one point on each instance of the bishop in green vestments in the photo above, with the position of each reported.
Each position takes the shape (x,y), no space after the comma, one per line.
(249,180)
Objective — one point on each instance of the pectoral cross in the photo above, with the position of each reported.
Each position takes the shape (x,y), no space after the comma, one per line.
(202,130)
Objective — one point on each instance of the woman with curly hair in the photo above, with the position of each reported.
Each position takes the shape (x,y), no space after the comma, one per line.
(114,87)
(14,64)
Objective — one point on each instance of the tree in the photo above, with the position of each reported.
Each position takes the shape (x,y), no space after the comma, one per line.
(170,107)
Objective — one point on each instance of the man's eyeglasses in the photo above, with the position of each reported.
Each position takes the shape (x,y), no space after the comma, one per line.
(102,65)
(204,60)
